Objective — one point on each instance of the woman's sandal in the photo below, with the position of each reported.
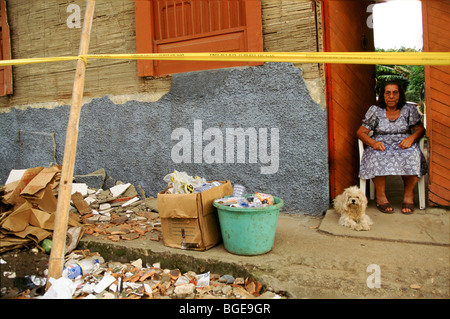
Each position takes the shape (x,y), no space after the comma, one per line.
(407,206)
(384,208)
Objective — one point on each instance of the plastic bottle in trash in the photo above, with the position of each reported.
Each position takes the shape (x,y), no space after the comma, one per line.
(206,186)
(238,190)
(83,267)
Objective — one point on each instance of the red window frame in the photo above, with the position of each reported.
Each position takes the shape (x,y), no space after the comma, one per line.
(189,26)
(5,53)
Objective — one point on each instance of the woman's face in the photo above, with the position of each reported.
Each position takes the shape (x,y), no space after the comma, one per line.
(391,95)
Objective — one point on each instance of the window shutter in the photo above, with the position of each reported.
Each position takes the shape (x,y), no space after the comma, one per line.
(5,52)
(170,26)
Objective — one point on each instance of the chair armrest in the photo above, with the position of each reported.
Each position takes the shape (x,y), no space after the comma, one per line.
(422,143)
(361,149)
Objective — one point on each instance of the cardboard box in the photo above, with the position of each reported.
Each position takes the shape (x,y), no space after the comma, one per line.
(191,215)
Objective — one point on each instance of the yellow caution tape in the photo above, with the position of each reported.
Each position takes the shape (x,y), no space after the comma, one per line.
(387,58)
(37,60)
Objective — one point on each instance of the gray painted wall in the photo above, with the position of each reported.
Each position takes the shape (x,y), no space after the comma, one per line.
(190,129)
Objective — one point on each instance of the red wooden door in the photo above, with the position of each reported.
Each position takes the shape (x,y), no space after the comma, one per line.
(436,36)
(349,87)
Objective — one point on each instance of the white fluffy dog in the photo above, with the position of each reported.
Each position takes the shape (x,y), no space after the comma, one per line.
(351,206)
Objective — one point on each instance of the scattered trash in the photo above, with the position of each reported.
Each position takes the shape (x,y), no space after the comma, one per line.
(119,189)
(242,200)
(61,288)
(238,190)
(28,203)
(47,245)
(188,221)
(9,274)
(206,186)
(248,224)
(251,200)
(202,280)
(29,282)
(106,281)
(81,268)
(182,183)
(113,214)
(134,280)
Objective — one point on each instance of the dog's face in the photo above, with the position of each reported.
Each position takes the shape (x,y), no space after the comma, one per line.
(352,201)
(354,197)
(351,206)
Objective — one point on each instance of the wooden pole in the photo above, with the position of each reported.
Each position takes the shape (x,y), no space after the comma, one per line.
(56,262)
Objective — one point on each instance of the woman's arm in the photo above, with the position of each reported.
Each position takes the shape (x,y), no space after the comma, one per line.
(418,132)
(363,135)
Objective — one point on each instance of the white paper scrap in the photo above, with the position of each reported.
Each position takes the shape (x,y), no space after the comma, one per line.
(106,281)
(119,189)
(131,201)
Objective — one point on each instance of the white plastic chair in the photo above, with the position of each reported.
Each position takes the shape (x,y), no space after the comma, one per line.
(420,182)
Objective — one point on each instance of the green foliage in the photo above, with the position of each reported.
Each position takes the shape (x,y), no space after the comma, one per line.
(411,77)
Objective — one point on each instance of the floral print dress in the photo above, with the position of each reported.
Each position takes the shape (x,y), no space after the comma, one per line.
(393,160)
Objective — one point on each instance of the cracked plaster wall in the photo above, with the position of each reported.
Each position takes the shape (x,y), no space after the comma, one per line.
(135,141)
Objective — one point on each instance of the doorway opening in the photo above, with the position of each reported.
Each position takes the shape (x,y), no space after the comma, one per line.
(398,27)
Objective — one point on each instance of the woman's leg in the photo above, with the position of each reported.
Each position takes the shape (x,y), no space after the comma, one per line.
(408,194)
(380,190)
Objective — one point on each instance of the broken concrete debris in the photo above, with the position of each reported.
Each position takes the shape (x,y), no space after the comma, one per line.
(119,214)
(93,180)
(115,214)
(115,280)
(29,198)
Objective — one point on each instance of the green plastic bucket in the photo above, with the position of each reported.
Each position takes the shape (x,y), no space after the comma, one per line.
(249,231)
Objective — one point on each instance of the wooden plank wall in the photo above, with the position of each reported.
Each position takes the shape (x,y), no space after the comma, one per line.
(436,29)
(39,29)
(350,89)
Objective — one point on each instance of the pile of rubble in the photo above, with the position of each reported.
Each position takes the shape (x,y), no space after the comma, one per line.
(115,280)
(118,213)
(29,198)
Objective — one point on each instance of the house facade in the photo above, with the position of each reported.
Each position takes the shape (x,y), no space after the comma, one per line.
(281,128)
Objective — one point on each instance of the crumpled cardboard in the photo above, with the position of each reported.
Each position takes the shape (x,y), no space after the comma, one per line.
(190,221)
(12,190)
(27,222)
(32,207)
(39,190)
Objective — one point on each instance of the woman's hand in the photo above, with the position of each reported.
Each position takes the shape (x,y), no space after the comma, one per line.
(378,146)
(363,135)
(407,142)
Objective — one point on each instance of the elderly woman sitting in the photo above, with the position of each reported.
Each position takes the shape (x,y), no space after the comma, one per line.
(393,148)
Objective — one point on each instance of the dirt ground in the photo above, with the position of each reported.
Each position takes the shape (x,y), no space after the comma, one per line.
(19,264)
